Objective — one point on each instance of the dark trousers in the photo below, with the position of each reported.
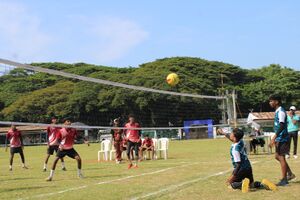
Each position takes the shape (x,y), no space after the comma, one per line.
(118,147)
(134,146)
(293,135)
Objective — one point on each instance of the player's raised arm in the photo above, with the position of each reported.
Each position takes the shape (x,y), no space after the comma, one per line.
(226,134)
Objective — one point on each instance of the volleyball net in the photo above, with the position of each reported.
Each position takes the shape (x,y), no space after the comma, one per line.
(92,96)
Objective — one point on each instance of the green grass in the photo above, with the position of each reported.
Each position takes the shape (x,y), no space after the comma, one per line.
(189,173)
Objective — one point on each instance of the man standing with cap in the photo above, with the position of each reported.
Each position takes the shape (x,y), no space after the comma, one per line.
(117,135)
(293,128)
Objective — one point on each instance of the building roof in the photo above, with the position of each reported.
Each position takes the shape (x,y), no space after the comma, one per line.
(264,115)
(23,128)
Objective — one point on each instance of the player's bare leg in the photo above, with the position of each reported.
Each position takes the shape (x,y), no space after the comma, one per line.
(46,162)
(79,165)
(11,160)
(23,160)
(53,169)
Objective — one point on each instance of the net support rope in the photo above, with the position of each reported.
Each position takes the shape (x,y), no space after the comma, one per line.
(101,81)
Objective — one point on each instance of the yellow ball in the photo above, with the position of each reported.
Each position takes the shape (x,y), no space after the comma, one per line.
(172,79)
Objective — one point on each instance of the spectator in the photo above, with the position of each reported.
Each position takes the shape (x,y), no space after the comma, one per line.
(256,141)
(293,128)
(147,145)
(117,135)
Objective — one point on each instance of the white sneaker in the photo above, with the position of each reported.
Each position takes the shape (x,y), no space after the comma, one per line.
(80,176)
(287,156)
(295,156)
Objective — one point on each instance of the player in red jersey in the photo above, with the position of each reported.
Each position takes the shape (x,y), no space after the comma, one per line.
(133,139)
(147,145)
(52,145)
(117,135)
(14,136)
(66,138)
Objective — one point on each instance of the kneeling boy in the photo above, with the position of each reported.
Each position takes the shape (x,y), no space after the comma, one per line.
(242,177)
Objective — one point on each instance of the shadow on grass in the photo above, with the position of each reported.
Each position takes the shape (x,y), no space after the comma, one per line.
(295,182)
(15,189)
(19,179)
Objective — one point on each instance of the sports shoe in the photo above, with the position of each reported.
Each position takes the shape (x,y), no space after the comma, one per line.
(49,178)
(45,169)
(129,166)
(245,185)
(282,182)
(295,156)
(269,185)
(10,169)
(24,167)
(287,156)
(290,177)
(80,176)
(64,168)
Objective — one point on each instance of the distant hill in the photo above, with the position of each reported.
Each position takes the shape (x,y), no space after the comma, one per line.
(35,96)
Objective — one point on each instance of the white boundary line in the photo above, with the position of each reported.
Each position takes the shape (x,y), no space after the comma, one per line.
(174,187)
(105,182)
(134,176)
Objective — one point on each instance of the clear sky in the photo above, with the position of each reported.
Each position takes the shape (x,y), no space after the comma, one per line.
(124,33)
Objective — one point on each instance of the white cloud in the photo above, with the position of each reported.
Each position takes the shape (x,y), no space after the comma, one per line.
(111,38)
(20,34)
(97,39)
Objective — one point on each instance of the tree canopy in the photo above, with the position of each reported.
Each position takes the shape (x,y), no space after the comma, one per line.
(35,97)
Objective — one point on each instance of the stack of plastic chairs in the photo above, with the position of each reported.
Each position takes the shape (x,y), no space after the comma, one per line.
(163,146)
(104,149)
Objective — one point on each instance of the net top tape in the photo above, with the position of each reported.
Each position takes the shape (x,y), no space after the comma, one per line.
(105,82)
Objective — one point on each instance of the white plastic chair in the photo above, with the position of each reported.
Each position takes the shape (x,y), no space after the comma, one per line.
(105,149)
(163,146)
(112,152)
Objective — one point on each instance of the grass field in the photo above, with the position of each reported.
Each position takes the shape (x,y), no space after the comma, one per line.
(196,169)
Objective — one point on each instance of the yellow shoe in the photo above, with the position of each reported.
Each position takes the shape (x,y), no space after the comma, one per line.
(245,185)
(269,184)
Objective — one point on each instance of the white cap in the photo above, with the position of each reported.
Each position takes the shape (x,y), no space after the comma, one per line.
(116,120)
(292,108)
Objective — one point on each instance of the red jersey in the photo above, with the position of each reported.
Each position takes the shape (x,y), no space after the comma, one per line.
(132,135)
(148,143)
(53,134)
(67,137)
(117,134)
(14,137)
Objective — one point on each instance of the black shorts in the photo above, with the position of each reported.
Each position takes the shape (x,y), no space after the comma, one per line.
(16,150)
(67,152)
(51,149)
(282,148)
(244,173)
(134,146)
